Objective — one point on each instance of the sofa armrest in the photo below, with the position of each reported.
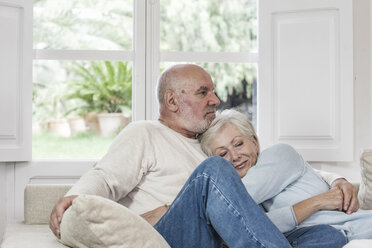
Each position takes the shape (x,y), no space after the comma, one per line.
(39,200)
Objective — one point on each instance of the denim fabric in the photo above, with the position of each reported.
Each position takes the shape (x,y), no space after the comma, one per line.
(316,236)
(214,206)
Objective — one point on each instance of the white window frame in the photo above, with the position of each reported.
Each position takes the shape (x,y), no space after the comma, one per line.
(155,56)
(135,56)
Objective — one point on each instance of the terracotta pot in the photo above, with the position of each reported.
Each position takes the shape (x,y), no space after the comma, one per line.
(110,123)
(60,127)
(77,124)
(91,121)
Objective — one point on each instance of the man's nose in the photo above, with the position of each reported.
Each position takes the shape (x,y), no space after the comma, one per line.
(214,100)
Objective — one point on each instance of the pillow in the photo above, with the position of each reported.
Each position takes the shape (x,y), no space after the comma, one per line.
(365,188)
(359,243)
(94,221)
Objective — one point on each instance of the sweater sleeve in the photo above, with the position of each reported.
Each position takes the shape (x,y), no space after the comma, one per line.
(276,168)
(121,169)
(283,218)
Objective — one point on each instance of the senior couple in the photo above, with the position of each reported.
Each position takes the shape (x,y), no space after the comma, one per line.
(153,163)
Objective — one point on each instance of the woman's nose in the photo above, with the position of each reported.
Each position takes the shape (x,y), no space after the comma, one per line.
(235,156)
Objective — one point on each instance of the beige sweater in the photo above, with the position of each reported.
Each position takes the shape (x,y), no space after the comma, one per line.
(145,167)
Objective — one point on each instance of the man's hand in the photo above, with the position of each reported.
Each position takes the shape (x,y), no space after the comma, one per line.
(154,216)
(57,213)
(351,203)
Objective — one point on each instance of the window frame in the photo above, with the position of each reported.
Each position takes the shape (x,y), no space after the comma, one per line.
(146,57)
(155,56)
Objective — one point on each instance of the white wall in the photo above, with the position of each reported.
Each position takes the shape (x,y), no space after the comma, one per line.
(3,219)
(362,92)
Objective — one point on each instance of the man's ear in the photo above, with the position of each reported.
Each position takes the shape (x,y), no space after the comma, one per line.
(171,100)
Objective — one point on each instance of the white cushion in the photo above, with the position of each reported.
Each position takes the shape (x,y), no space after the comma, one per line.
(29,236)
(93,221)
(359,243)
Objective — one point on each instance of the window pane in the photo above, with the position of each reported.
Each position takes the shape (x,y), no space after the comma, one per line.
(208,25)
(79,107)
(235,85)
(83,24)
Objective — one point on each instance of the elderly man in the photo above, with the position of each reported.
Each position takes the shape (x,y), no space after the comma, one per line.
(150,161)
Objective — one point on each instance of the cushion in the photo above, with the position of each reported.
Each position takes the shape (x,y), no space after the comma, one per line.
(94,221)
(29,236)
(40,200)
(359,243)
(365,188)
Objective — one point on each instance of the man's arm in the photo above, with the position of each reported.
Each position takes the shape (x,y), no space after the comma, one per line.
(350,203)
(57,213)
(113,177)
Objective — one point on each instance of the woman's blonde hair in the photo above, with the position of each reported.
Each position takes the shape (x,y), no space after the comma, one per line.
(229,116)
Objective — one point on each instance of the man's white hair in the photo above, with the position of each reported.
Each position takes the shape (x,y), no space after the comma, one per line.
(171,79)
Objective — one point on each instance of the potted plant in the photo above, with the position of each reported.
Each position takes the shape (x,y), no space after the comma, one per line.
(103,88)
(49,108)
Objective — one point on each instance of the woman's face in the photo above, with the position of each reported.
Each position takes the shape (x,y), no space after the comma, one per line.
(235,147)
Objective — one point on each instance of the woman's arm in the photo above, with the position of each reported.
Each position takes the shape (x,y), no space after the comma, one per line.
(287,218)
(351,203)
(330,200)
(277,167)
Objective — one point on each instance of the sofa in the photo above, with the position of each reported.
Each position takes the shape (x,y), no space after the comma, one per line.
(34,231)
(87,223)
(40,199)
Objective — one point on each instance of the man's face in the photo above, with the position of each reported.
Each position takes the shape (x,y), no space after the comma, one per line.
(198,103)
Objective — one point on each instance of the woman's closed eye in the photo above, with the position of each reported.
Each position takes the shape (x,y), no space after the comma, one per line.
(222,154)
(240,143)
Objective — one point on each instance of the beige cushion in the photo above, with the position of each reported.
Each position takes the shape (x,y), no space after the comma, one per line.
(29,236)
(365,188)
(40,200)
(93,221)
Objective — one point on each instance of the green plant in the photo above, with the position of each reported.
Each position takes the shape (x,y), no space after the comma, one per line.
(100,87)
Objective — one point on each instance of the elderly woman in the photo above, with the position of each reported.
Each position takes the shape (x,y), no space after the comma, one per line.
(289,190)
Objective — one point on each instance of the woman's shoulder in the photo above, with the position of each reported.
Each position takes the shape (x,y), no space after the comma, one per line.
(280,148)
(281,151)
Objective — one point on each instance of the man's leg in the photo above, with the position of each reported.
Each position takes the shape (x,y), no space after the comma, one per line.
(213,206)
(319,236)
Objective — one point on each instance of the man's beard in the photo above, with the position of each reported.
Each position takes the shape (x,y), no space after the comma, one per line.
(193,125)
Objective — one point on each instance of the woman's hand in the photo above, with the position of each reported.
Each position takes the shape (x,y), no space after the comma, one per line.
(350,202)
(330,200)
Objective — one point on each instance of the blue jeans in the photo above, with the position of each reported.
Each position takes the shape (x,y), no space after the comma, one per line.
(316,236)
(214,206)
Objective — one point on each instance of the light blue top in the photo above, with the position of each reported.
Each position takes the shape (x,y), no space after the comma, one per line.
(277,168)
(281,178)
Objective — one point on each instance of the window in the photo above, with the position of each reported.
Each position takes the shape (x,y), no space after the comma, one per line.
(220,36)
(82,81)
(96,60)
